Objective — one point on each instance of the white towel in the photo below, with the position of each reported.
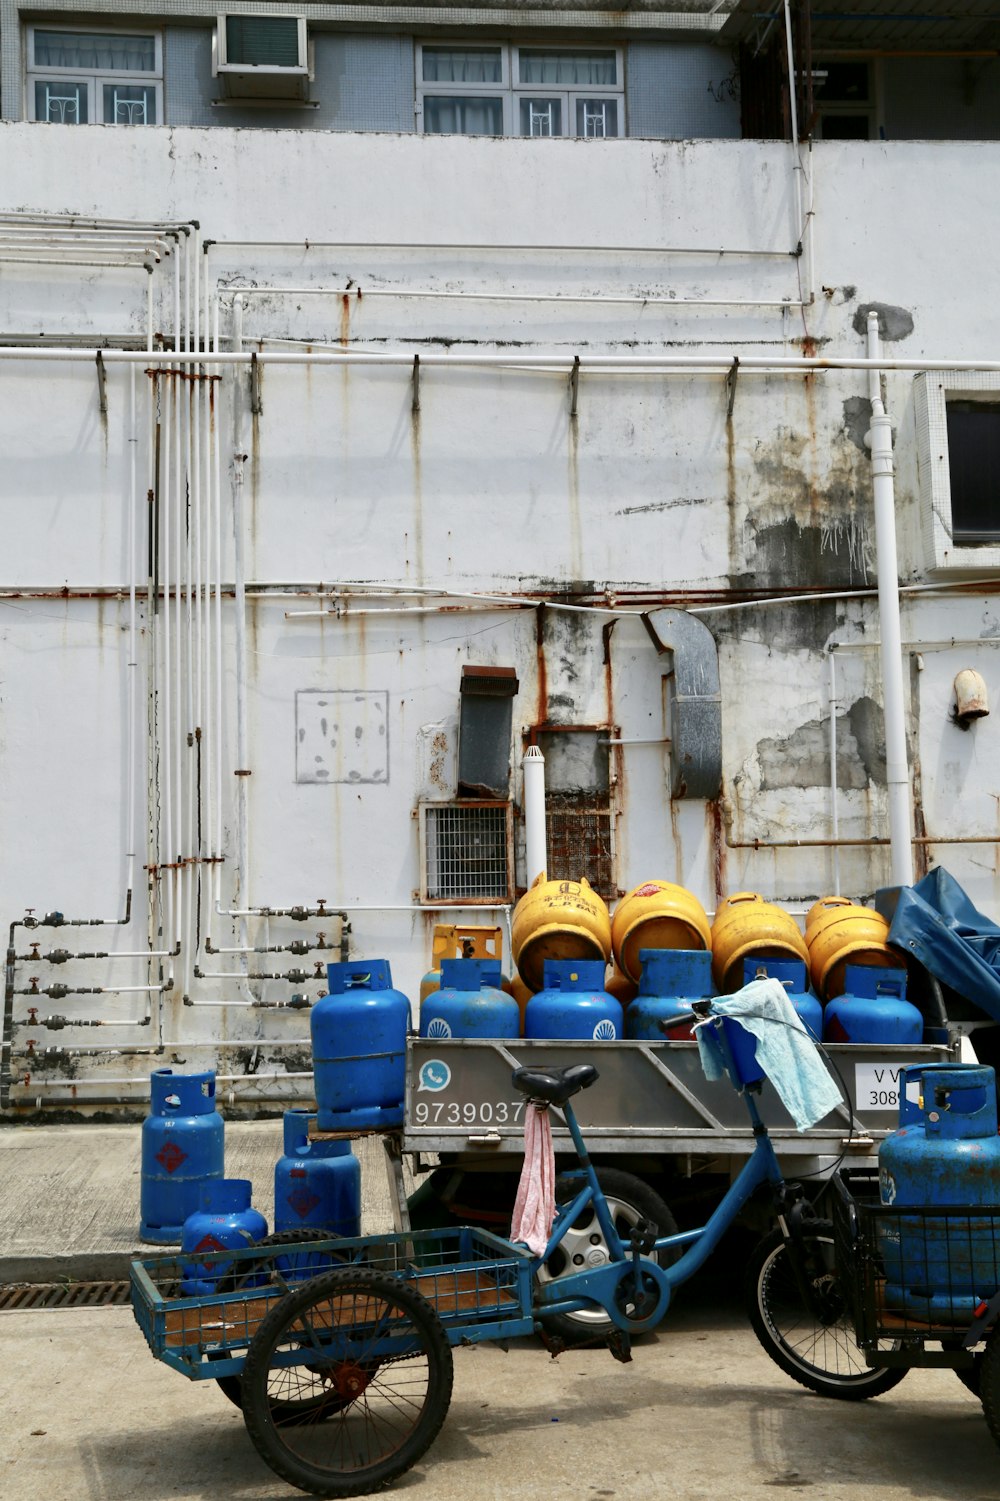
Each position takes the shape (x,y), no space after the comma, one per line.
(785,1051)
(535,1205)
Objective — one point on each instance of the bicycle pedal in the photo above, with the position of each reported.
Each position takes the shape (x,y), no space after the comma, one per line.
(643,1237)
(620,1345)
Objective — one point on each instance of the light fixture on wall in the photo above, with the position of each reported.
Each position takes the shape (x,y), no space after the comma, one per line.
(971,698)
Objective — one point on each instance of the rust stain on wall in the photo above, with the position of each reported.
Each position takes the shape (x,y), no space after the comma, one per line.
(717,844)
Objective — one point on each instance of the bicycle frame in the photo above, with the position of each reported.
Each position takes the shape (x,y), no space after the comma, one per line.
(580,1290)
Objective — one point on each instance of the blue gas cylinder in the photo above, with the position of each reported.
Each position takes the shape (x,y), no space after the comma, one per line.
(182,1148)
(946,1154)
(469,1002)
(873,1009)
(792,975)
(224,1221)
(668,980)
(317,1184)
(573,1003)
(359,1048)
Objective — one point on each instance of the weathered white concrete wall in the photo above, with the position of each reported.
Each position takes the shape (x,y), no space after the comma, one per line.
(653,493)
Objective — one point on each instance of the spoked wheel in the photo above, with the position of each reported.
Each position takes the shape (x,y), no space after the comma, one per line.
(815,1345)
(302,1267)
(371,1357)
(629,1200)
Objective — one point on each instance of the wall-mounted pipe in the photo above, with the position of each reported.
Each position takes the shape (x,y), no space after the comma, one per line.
(535,855)
(897,769)
(365,294)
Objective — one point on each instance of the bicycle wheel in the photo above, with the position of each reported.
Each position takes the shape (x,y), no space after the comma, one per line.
(816,1347)
(629,1200)
(232,1386)
(376,1348)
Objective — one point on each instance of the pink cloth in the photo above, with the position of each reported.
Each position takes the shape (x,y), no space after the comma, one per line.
(535,1205)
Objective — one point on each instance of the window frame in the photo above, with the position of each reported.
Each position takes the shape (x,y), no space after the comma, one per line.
(95,79)
(511,90)
(932,392)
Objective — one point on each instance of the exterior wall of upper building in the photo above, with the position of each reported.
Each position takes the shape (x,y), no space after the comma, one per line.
(427,487)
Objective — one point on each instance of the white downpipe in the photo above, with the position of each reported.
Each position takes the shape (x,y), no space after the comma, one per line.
(535,857)
(897,771)
(798,168)
(834,808)
(217,621)
(239,608)
(167,731)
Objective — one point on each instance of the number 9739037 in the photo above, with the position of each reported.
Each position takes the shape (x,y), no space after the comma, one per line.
(468,1112)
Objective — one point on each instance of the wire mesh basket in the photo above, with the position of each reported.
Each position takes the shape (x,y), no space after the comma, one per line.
(912,1273)
(474,1281)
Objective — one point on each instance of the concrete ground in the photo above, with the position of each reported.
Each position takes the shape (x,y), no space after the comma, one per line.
(701,1414)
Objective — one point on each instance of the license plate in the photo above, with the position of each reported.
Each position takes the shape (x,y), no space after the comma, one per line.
(876,1086)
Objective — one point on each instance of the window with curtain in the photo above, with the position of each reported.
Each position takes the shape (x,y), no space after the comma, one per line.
(84,77)
(526,91)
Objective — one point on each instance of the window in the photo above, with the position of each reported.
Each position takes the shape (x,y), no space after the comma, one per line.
(524,91)
(94,77)
(958,451)
(579,818)
(842,96)
(466,852)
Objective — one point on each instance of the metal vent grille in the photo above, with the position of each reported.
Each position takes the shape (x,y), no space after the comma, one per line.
(24,1295)
(466,852)
(579,830)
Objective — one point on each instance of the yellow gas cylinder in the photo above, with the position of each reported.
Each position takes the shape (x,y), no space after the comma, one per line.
(522,994)
(558,920)
(842,932)
(657,915)
(746,924)
(819,911)
(620,986)
(453,941)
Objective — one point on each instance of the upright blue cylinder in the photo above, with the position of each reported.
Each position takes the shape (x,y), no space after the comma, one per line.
(791,974)
(573,1003)
(946,1154)
(469,1002)
(182,1149)
(359,1048)
(317,1184)
(224,1221)
(873,1009)
(669,980)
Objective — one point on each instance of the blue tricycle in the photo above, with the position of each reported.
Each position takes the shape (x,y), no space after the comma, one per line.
(340,1350)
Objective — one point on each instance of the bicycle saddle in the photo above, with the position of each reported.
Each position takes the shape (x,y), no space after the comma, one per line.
(556,1085)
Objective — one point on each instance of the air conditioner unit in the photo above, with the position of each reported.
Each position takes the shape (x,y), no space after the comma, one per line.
(263,58)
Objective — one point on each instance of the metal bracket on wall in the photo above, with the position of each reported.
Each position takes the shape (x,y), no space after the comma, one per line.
(256,405)
(416,383)
(731,380)
(574,385)
(102,383)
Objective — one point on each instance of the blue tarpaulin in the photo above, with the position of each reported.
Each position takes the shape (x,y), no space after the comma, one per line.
(936,923)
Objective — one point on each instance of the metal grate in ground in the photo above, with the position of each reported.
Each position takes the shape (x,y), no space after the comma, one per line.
(24,1295)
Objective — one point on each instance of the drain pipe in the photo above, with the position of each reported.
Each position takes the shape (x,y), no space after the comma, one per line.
(879,440)
(535,858)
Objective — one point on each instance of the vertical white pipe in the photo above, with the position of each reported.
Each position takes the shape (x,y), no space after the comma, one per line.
(834,801)
(167,853)
(535,859)
(897,771)
(239,610)
(804,227)
(217,488)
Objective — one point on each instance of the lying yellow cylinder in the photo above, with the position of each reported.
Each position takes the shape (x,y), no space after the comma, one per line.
(620,986)
(558,920)
(657,915)
(841,933)
(746,924)
(522,994)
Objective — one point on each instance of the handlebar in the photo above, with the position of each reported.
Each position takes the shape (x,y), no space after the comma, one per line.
(700,1009)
